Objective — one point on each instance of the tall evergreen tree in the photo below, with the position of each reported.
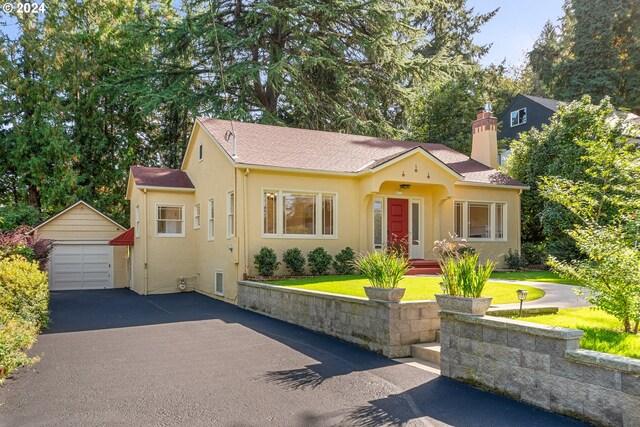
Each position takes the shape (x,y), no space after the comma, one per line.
(595,51)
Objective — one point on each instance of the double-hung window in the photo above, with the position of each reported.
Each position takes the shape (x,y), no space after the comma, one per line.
(170,220)
(480,221)
(211,220)
(231,207)
(299,214)
(196,216)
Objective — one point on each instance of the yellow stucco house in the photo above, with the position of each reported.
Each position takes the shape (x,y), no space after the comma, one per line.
(243,186)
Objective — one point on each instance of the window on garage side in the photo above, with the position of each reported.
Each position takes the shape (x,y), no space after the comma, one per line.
(170,220)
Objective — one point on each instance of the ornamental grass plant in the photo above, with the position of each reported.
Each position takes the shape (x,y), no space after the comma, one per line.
(384,269)
(463,276)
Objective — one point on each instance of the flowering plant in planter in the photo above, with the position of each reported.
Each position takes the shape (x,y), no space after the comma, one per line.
(384,270)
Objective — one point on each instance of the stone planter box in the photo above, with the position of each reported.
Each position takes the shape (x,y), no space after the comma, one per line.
(455,304)
(384,294)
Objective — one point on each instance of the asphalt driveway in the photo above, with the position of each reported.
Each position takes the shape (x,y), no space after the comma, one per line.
(115,358)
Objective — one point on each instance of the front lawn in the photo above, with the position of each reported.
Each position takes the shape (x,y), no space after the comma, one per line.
(418,288)
(602,332)
(533,276)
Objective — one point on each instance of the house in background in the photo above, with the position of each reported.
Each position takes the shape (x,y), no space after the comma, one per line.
(243,186)
(523,113)
(82,256)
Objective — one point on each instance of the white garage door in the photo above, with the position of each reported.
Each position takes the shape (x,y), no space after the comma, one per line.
(80,267)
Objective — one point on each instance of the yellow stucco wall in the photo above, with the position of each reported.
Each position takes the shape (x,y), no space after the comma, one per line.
(167,258)
(81,223)
(214,177)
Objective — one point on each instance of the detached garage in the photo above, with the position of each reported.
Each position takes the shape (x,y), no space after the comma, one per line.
(81,257)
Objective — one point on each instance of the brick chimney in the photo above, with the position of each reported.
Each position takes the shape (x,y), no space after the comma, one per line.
(484,145)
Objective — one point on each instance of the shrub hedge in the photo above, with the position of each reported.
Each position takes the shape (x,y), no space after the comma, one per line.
(24,301)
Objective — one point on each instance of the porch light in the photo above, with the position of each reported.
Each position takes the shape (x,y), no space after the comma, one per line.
(405,186)
(522,295)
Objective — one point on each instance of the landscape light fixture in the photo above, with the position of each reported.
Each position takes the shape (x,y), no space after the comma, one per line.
(522,295)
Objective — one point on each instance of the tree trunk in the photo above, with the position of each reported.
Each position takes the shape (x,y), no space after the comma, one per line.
(33,196)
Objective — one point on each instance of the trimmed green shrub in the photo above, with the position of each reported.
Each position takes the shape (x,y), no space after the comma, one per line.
(383,269)
(266,261)
(344,261)
(294,260)
(319,261)
(514,260)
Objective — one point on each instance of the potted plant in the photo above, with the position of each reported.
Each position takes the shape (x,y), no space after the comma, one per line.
(462,283)
(384,270)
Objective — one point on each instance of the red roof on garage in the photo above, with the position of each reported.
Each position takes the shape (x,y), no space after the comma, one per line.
(124,239)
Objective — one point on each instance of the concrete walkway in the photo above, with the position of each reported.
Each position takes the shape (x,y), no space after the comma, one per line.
(561,296)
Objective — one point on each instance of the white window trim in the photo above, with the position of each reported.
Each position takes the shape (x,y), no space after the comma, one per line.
(518,112)
(211,221)
(136,226)
(171,205)
(492,220)
(198,223)
(215,282)
(231,216)
(200,152)
(280,222)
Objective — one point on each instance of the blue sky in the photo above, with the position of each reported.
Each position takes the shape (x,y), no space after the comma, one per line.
(515,27)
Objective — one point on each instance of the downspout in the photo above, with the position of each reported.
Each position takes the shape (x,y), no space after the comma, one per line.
(146,245)
(519,216)
(245,237)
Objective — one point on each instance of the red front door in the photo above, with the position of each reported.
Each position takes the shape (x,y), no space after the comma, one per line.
(398,223)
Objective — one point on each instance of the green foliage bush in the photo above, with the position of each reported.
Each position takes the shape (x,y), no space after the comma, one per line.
(463,276)
(24,290)
(611,273)
(294,260)
(266,261)
(514,260)
(24,300)
(383,269)
(534,253)
(319,261)
(14,215)
(344,261)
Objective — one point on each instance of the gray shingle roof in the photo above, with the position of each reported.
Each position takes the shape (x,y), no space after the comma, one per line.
(286,147)
(551,104)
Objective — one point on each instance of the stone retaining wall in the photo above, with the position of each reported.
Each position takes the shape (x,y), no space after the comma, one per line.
(541,365)
(383,327)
